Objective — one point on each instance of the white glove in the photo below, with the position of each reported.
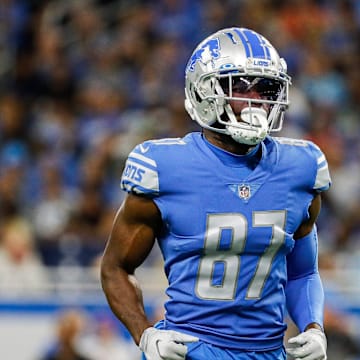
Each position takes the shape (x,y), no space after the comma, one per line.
(309,345)
(164,344)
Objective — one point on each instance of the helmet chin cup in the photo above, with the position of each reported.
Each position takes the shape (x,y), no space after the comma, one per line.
(253,129)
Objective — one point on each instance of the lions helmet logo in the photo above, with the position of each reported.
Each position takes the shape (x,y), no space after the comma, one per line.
(208,51)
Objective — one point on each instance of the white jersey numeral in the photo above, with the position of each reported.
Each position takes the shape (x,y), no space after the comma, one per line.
(230,258)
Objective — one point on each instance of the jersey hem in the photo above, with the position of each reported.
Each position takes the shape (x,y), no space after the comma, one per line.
(228,342)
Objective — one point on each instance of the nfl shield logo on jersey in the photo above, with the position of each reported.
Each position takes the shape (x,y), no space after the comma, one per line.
(244,191)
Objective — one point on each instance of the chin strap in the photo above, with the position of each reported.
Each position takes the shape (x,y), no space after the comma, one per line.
(255,128)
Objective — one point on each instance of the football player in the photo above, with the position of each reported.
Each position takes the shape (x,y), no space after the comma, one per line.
(233,210)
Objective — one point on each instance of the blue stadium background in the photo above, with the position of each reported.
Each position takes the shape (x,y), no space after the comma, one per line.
(82,82)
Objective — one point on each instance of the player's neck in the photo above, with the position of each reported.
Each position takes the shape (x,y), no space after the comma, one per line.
(226,143)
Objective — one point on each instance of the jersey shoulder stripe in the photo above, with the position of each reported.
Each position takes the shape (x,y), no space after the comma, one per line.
(323,179)
(140,173)
(309,151)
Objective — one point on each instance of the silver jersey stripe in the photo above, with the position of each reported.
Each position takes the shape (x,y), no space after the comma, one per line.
(321,159)
(142,158)
(140,176)
(322,177)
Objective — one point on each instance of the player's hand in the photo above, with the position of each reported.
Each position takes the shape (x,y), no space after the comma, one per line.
(309,345)
(164,344)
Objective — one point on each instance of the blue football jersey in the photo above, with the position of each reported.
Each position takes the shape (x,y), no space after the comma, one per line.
(226,232)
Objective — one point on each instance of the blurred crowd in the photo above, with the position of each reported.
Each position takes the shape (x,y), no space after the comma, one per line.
(82,82)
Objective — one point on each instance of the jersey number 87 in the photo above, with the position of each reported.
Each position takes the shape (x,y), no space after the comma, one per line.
(231,259)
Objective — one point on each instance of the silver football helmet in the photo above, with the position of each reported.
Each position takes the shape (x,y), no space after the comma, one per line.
(229,63)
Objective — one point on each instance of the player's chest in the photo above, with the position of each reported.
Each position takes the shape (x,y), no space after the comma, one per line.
(251,207)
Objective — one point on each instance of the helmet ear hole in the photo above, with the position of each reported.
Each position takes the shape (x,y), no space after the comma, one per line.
(197,96)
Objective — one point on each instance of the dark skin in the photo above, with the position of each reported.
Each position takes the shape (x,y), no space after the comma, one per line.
(132,237)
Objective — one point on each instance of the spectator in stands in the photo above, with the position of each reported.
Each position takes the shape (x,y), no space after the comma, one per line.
(70,326)
(21,270)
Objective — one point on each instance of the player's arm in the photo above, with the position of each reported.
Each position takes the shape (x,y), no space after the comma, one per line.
(131,240)
(304,291)
(303,276)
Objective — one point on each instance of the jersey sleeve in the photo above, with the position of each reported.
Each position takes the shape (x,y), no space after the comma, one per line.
(140,175)
(322,179)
